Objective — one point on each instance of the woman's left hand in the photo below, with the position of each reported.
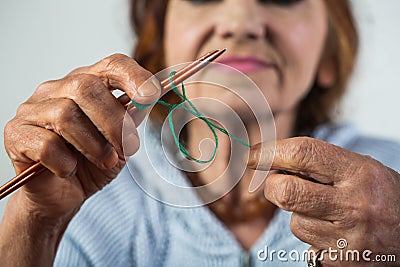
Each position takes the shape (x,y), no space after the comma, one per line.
(340,199)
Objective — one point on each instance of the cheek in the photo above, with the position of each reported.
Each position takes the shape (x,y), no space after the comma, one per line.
(306,49)
(183,33)
(171,39)
(302,47)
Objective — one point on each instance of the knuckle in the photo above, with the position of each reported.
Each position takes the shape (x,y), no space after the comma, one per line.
(287,194)
(357,215)
(295,225)
(78,70)
(85,86)
(303,150)
(15,141)
(10,135)
(51,148)
(369,174)
(371,168)
(65,112)
(43,87)
(301,229)
(116,57)
(355,218)
(368,177)
(48,147)
(67,169)
(9,129)
(23,109)
(114,61)
(126,66)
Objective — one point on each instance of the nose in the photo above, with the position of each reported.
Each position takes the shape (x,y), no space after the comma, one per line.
(241,21)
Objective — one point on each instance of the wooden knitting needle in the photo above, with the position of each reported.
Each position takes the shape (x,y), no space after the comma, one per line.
(179,77)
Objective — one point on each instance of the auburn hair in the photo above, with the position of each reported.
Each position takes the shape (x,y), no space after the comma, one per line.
(147,18)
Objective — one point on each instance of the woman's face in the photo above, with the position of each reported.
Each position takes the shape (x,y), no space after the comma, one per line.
(277,43)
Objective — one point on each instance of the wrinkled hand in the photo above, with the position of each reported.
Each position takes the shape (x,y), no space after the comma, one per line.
(73,126)
(334,194)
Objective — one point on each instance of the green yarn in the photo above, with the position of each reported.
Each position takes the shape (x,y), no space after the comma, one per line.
(195,112)
(140,106)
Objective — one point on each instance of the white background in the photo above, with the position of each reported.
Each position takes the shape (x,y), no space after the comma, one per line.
(45,39)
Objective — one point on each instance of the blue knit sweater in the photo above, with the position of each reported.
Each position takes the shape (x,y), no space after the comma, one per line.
(123,226)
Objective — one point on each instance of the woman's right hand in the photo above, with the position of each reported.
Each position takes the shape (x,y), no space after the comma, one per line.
(73,126)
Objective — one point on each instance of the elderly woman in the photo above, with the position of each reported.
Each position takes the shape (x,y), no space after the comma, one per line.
(300,53)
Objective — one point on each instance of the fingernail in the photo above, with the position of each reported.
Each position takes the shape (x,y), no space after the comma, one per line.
(111,159)
(149,88)
(156,83)
(131,144)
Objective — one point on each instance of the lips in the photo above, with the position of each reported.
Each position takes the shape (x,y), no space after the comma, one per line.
(247,65)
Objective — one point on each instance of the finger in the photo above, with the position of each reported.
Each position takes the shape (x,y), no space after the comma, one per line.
(116,72)
(39,145)
(315,256)
(119,71)
(292,193)
(322,237)
(308,157)
(313,231)
(99,105)
(64,117)
(124,99)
